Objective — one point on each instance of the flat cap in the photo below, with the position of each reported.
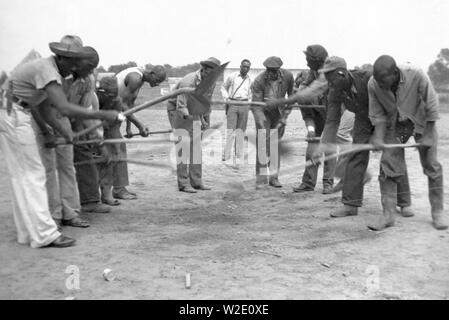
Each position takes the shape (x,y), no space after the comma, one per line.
(273,62)
(333,63)
(317,52)
(211,62)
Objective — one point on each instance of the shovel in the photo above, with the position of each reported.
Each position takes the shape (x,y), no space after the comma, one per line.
(197,102)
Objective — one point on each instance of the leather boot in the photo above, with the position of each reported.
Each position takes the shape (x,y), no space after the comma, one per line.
(436,203)
(388,196)
(345,211)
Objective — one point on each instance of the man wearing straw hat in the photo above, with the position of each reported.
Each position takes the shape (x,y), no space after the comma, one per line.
(62,186)
(38,84)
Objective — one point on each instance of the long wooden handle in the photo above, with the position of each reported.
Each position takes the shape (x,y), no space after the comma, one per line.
(138,108)
(263,104)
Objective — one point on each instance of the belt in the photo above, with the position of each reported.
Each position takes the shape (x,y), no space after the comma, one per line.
(238,99)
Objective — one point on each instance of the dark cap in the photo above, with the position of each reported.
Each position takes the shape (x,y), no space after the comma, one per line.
(333,63)
(108,85)
(316,52)
(273,62)
(211,62)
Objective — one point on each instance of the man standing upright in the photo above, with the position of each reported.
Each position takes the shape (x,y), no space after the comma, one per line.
(397,95)
(129,82)
(274,83)
(189,166)
(237,87)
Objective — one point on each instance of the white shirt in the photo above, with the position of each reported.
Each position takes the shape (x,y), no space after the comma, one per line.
(236,87)
(121,76)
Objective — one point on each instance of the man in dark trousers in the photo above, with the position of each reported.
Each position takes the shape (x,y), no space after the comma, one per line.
(350,88)
(274,83)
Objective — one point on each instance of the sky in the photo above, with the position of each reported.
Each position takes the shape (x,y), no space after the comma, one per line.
(179,32)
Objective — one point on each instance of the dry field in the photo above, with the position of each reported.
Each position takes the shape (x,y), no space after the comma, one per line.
(236,243)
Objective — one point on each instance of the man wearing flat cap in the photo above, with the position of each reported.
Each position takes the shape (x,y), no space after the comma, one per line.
(189,171)
(350,88)
(38,84)
(273,83)
(129,82)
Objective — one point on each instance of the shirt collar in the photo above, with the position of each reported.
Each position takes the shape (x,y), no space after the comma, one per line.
(401,76)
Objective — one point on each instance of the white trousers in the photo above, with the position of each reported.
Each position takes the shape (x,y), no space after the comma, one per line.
(18,144)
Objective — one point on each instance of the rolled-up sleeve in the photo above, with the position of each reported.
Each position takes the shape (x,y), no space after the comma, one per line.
(428,95)
(377,113)
(225,88)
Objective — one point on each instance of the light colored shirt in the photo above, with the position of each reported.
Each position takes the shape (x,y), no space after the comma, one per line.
(236,87)
(121,76)
(415,99)
(28,81)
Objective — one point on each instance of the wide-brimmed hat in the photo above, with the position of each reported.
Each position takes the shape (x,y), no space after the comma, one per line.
(333,63)
(211,62)
(70,46)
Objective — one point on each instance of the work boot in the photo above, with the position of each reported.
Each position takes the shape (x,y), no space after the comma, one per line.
(95,207)
(302,188)
(436,203)
(345,211)
(439,220)
(274,182)
(187,189)
(406,212)
(388,198)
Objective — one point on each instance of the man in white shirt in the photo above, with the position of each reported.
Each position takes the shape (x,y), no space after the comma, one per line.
(236,87)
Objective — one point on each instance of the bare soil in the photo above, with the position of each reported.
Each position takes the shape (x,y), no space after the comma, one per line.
(236,242)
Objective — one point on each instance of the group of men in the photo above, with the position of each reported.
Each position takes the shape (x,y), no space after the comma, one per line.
(53,97)
(48,117)
(384,106)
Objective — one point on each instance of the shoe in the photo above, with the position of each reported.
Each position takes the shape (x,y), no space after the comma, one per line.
(275,183)
(76,223)
(338,187)
(406,212)
(345,211)
(302,188)
(439,221)
(62,242)
(188,190)
(123,194)
(327,189)
(110,202)
(202,187)
(96,207)
(381,223)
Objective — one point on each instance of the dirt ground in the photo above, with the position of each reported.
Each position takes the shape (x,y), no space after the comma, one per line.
(237,243)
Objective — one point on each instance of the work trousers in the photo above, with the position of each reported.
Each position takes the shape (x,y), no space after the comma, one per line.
(188,149)
(267,164)
(237,119)
(19,146)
